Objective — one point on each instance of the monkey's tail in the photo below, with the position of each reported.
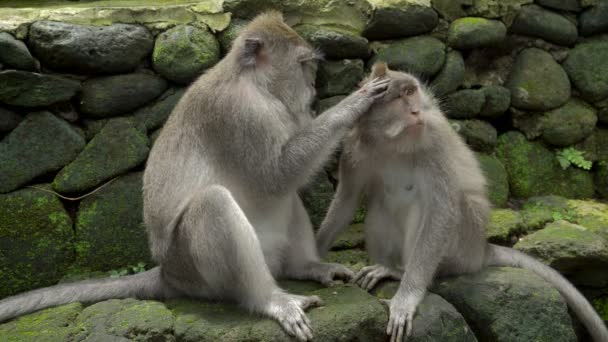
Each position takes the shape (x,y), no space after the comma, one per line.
(504,256)
(145,285)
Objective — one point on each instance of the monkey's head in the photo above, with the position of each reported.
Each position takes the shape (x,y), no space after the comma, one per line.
(403,116)
(276,58)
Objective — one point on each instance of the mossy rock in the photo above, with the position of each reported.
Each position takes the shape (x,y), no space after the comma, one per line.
(53,324)
(226,37)
(86,49)
(154,116)
(114,95)
(497,101)
(538,22)
(351,237)
(478,134)
(571,249)
(593,215)
(8,120)
(182,53)
(592,82)
(339,77)
(601,178)
(504,224)
(423,55)
(497,178)
(505,10)
(465,104)
(317,197)
(538,211)
(470,33)
(568,124)
(508,304)
(537,82)
(451,75)
(14,54)
(335,43)
(348,314)
(400,18)
(28,89)
(534,170)
(41,143)
(355,259)
(564,5)
(117,148)
(594,19)
(326,103)
(601,143)
(36,239)
(109,226)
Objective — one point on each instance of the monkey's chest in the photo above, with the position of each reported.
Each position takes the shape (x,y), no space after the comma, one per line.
(399,190)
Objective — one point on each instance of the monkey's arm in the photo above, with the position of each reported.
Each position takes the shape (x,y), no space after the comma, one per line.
(342,208)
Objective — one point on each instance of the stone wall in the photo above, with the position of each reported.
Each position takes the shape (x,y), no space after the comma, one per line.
(84,92)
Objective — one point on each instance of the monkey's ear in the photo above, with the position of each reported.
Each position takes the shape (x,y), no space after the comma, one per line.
(379,69)
(251,50)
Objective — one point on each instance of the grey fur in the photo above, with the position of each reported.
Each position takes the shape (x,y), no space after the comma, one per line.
(220,187)
(427,206)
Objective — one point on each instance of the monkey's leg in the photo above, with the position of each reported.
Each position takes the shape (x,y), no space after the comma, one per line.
(303,261)
(369,276)
(228,258)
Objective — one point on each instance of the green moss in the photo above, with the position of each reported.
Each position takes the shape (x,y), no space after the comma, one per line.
(601,305)
(504,224)
(352,237)
(52,324)
(354,259)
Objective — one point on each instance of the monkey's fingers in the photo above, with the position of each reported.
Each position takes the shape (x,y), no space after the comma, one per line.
(368,278)
(344,274)
(409,324)
(372,283)
(365,270)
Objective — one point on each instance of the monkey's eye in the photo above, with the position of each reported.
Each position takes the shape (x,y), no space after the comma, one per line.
(410,91)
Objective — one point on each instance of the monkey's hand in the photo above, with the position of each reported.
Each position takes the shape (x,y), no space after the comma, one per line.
(289,309)
(327,273)
(401,314)
(361,100)
(369,276)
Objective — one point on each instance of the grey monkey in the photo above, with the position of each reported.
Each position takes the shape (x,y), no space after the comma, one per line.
(220,188)
(427,206)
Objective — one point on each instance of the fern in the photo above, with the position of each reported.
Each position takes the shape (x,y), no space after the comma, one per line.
(571,156)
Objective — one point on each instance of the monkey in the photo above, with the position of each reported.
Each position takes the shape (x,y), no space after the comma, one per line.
(427,204)
(220,188)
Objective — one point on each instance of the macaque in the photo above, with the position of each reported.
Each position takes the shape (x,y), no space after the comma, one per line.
(427,206)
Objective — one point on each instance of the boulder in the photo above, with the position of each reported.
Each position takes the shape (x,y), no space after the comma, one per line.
(470,33)
(479,135)
(465,104)
(452,9)
(339,77)
(450,76)
(183,52)
(41,143)
(497,101)
(86,49)
(496,176)
(154,116)
(226,37)
(35,238)
(317,197)
(116,149)
(335,43)
(601,178)
(534,170)
(572,250)
(114,95)
(568,124)
(592,82)
(423,55)
(564,5)
(53,324)
(536,21)
(14,54)
(594,20)
(355,259)
(590,214)
(537,82)
(351,237)
(538,211)
(28,89)
(8,120)
(504,225)
(401,18)
(508,304)
(109,226)
(485,67)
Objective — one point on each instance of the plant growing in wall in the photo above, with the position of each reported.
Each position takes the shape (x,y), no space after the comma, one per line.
(572,156)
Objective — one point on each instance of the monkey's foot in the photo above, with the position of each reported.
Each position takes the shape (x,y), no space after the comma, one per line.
(402,309)
(369,276)
(327,273)
(288,310)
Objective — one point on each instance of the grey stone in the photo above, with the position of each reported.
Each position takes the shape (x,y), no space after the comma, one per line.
(535,21)
(114,95)
(469,33)
(537,82)
(53,324)
(338,77)
(226,37)
(450,76)
(496,175)
(117,48)
(592,82)
(14,53)
(508,304)
(594,20)
(569,124)
(465,104)
(401,18)
(484,67)
(41,143)
(182,53)
(154,116)
(109,226)
(8,120)
(498,100)
(335,43)
(529,123)
(479,135)
(423,56)
(601,178)
(317,197)
(564,5)
(28,89)
(117,148)
(504,224)
(452,9)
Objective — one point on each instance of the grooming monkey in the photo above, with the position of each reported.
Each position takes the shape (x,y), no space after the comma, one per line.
(427,207)
(220,188)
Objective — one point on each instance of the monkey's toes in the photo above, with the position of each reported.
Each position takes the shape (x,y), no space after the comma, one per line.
(306,302)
